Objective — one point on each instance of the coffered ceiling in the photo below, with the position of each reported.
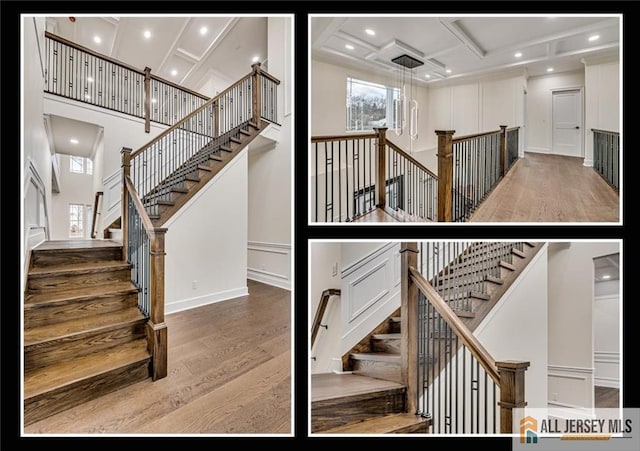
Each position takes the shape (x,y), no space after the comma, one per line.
(455,47)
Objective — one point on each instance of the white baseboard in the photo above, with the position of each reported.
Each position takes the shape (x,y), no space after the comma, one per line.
(588,163)
(186,304)
(269,263)
(610,382)
(538,150)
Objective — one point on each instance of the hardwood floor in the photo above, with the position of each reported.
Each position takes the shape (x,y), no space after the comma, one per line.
(606,397)
(229,372)
(550,188)
(377,215)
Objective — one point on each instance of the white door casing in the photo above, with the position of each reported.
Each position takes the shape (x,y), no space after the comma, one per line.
(567,123)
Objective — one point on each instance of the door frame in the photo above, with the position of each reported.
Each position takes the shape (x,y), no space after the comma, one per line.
(582,132)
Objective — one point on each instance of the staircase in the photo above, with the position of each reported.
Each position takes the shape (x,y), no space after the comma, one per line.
(94,310)
(84,335)
(471,284)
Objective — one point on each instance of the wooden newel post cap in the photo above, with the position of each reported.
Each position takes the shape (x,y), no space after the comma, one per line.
(382,129)
(256,67)
(503,127)
(445,132)
(512,365)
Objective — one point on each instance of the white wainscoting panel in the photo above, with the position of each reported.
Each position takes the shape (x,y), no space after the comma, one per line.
(607,369)
(111,200)
(570,386)
(269,263)
(370,293)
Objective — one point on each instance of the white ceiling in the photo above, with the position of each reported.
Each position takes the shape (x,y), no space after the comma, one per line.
(225,50)
(467,46)
(609,265)
(62,130)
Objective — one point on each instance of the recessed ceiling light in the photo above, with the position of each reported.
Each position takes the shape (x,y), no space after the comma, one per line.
(203,30)
(549,69)
(370,32)
(255,59)
(518,54)
(349,46)
(427,76)
(147,34)
(174,72)
(90,79)
(97,39)
(595,37)
(74,141)
(606,276)
(448,71)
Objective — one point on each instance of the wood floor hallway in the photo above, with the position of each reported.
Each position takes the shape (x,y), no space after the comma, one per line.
(229,372)
(550,188)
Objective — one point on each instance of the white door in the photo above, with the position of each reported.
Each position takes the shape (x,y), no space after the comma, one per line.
(567,121)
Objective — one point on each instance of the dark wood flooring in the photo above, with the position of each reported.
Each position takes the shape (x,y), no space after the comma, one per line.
(606,397)
(229,372)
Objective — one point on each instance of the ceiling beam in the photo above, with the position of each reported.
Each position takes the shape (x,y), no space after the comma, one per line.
(172,49)
(333,26)
(556,37)
(455,29)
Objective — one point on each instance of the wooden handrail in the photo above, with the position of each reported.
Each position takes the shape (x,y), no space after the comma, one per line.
(475,135)
(94,232)
(269,76)
(605,131)
(177,86)
(317,139)
(189,116)
(324,300)
(459,328)
(411,159)
(137,203)
(513,128)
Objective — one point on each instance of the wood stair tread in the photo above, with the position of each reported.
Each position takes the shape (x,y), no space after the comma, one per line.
(396,319)
(215,158)
(519,253)
(235,140)
(52,377)
(226,148)
(377,357)
(386,336)
(245,132)
(78,268)
(64,329)
(331,386)
(75,245)
(177,189)
(77,294)
(204,167)
(397,422)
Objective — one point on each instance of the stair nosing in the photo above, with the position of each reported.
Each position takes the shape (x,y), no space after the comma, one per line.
(108,290)
(376,356)
(392,336)
(91,268)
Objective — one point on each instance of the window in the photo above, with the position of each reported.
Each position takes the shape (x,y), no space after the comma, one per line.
(370,105)
(365,199)
(80,165)
(76,220)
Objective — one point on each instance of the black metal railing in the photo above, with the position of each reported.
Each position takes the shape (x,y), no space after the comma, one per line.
(606,156)
(344,172)
(138,255)
(512,146)
(458,394)
(477,167)
(80,74)
(411,187)
(269,98)
(172,159)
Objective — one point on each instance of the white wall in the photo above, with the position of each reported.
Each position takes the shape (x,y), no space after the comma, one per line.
(571,294)
(119,130)
(206,242)
(606,333)
(329,96)
(324,257)
(36,156)
(370,288)
(602,99)
(539,106)
(74,189)
(270,175)
(516,328)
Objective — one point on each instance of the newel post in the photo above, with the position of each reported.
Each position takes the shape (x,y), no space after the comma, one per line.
(381,181)
(124,202)
(255,86)
(156,327)
(503,149)
(409,330)
(511,391)
(147,99)
(445,174)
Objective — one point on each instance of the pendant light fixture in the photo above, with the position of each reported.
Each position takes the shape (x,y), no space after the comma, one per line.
(401,104)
